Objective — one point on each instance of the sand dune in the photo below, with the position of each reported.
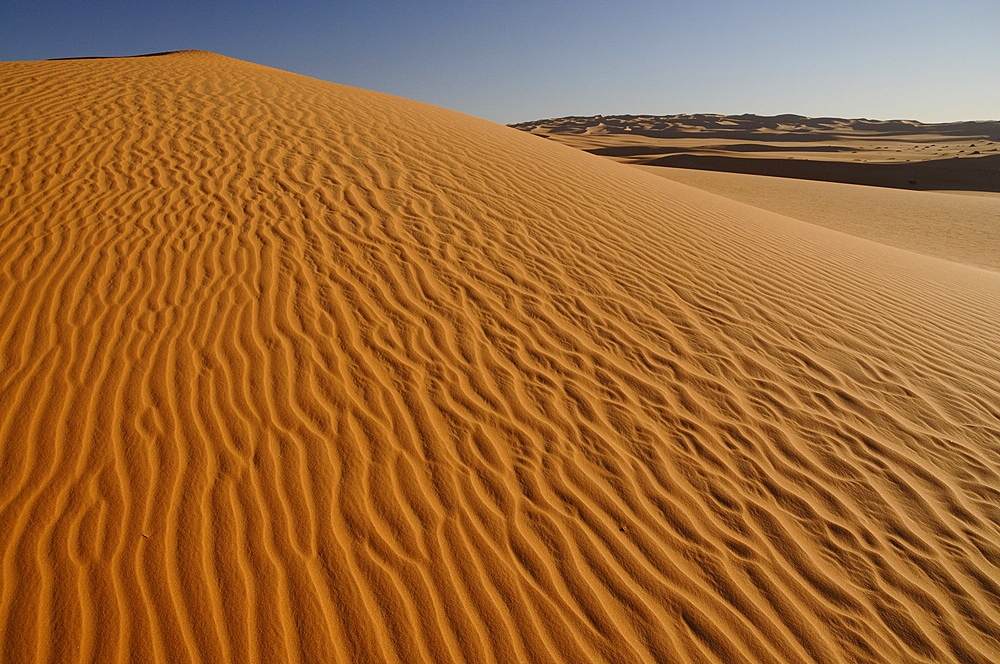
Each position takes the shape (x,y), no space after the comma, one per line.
(298,372)
(957,227)
(904,154)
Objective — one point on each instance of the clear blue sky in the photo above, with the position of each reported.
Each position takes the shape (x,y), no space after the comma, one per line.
(515,61)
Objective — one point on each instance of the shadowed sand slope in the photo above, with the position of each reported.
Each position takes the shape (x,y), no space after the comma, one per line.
(298,372)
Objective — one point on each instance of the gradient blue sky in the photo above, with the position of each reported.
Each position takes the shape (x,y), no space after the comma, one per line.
(516,61)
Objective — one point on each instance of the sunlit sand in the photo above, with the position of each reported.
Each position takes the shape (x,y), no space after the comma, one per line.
(298,372)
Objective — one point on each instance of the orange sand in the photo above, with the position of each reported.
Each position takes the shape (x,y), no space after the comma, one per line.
(298,372)
(958,227)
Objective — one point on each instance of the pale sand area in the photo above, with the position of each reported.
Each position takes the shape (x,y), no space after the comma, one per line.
(958,227)
(298,372)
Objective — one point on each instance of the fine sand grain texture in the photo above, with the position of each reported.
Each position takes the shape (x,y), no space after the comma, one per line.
(291,371)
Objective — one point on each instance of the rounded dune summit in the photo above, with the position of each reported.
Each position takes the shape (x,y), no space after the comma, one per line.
(296,372)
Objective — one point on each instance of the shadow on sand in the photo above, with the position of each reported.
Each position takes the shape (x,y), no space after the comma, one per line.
(962,174)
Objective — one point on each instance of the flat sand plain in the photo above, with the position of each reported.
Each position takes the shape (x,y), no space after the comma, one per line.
(291,371)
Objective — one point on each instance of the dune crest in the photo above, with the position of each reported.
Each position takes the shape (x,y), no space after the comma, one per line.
(293,371)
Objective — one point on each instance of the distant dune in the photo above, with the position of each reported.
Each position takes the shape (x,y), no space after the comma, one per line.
(957,156)
(807,168)
(298,372)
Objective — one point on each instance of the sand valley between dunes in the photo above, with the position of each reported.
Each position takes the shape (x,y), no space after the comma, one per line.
(297,372)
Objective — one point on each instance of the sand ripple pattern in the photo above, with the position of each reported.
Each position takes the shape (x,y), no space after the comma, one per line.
(294,372)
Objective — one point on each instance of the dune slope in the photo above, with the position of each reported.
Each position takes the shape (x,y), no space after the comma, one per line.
(958,227)
(298,372)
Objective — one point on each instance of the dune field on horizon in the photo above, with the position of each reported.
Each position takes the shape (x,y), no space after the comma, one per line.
(297,372)
(929,188)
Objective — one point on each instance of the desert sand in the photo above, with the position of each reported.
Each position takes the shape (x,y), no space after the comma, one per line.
(905,154)
(929,188)
(954,226)
(298,372)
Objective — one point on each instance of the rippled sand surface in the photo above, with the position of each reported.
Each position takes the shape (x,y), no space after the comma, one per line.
(291,371)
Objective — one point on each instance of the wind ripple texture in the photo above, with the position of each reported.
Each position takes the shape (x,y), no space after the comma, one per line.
(295,372)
